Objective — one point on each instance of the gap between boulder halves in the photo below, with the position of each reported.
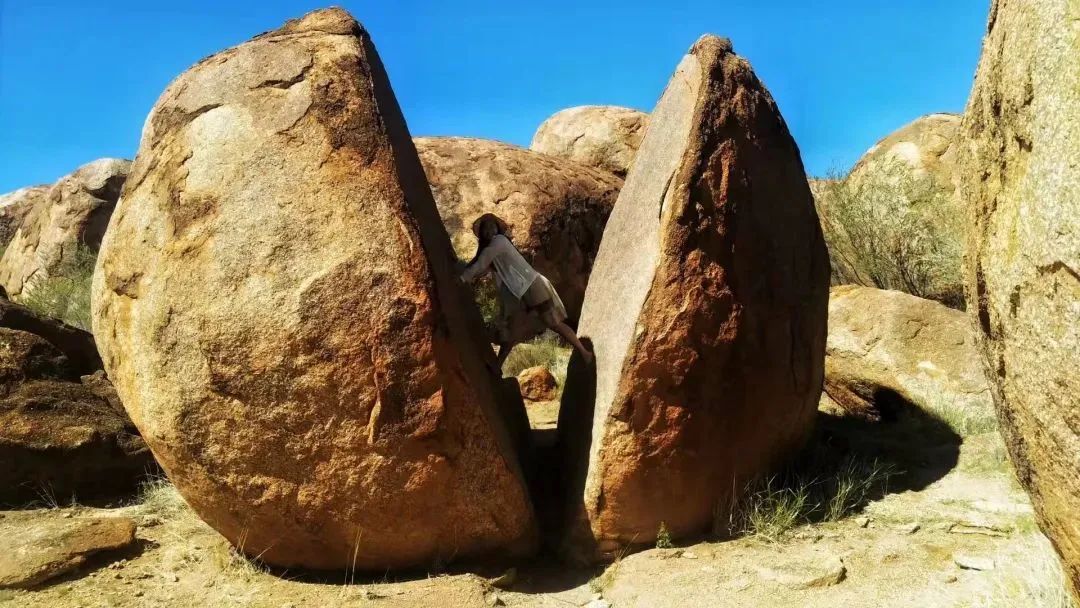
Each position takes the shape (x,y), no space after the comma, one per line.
(277,302)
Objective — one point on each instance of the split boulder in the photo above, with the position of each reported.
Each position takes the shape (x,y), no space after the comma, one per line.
(706,309)
(1020,163)
(15,206)
(277,304)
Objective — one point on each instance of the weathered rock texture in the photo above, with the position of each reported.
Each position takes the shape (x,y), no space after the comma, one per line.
(15,206)
(706,308)
(894,221)
(59,439)
(556,208)
(885,345)
(605,137)
(46,549)
(277,304)
(1020,162)
(73,214)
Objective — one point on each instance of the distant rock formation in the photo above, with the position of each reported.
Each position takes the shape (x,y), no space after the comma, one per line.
(277,303)
(706,308)
(74,213)
(895,222)
(556,208)
(604,137)
(15,206)
(885,345)
(1020,166)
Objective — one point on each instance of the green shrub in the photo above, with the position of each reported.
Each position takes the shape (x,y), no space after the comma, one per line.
(65,293)
(663,537)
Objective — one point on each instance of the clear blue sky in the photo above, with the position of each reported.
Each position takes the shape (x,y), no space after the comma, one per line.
(78,77)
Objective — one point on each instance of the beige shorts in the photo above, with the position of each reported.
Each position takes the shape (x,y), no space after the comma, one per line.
(538,309)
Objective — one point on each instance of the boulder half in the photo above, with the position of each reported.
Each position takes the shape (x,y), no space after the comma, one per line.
(707,309)
(277,303)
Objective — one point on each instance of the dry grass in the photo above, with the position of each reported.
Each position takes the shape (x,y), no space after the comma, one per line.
(65,294)
(817,488)
(547,350)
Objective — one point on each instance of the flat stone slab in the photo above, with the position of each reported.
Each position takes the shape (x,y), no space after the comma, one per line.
(42,551)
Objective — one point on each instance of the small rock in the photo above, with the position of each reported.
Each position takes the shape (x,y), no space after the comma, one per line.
(689,555)
(599,603)
(949,578)
(805,573)
(68,515)
(862,522)
(911,528)
(973,562)
(537,384)
(172,578)
(138,594)
(979,529)
(495,600)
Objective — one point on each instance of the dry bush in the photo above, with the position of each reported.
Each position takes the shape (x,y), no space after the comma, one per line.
(897,230)
(547,349)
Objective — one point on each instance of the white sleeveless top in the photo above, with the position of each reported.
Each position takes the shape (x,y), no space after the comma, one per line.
(510,268)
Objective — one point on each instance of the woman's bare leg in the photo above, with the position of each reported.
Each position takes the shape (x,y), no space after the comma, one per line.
(564,330)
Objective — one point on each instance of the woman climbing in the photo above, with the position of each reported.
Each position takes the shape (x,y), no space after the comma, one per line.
(522,290)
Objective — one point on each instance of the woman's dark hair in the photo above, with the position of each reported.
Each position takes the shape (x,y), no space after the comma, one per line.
(484,241)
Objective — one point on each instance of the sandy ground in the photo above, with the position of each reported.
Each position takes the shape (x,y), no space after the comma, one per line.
(898,550)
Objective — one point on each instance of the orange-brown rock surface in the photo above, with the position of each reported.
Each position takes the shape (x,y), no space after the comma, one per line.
(706,308)
(1020,168)
(277,304)
(556,208)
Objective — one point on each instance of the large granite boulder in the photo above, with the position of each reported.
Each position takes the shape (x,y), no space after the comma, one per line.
(277,304)
(59,440)
(1020,163)
(15,206)
(73,215)
(706,308)
(888,346)
(556,208)
(604,137)
(894,221)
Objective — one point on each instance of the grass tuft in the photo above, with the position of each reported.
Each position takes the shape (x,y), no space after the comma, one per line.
(1036,581)
(547,350)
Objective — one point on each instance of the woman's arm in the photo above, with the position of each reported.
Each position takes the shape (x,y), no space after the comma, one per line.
(481,263)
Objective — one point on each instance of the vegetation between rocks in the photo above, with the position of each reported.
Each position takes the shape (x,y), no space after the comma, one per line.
(65,293)
(895,231)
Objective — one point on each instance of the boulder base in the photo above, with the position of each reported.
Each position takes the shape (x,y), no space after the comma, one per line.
(277,304)
(706,309)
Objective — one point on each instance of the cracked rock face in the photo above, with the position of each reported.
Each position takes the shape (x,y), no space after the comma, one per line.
(277,304)
(15,206)
(73,213)
(605,137)
(706,308)
(556,208)
(884,343)
(1020,162)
